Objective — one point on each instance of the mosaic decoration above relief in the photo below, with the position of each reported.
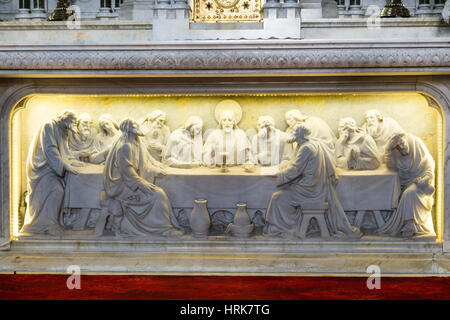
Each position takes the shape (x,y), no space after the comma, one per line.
(226,10)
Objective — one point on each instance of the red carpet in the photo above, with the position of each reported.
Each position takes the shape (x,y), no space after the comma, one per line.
(21,286)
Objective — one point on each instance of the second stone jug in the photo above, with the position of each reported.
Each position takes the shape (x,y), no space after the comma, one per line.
(241,226)
(199,219)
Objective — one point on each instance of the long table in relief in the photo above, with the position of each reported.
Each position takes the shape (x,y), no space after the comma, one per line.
(361,191)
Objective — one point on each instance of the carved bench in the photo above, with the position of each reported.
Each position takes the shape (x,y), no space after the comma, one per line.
(315,210)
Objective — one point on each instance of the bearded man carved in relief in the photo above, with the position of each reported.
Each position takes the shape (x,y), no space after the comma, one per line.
(108,135)
(408,155)
(185,146)
(319,128)
(269,145)
(380,128)
(355,150)
(82,143)
(156,133)
(128,179)
(49,158)
(308,178)
(227,144)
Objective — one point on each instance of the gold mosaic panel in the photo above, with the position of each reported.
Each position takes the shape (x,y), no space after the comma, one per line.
(226,10)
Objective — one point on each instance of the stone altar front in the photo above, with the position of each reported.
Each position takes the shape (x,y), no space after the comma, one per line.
(383,249)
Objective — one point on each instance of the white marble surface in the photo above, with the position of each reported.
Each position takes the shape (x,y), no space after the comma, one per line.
(409,257)
(143,30)
(369,190)
(228,257)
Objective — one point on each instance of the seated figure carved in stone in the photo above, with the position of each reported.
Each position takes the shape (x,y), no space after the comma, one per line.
(355,150)
(82,143)
(380,128)
(269,145)
(319,128)
(227,144)
(156,133)
(127,178)
(409,157)
(49,158)
(309,178)
(185,146)
(105,139)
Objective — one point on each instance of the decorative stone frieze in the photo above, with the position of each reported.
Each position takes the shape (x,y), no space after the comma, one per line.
(301,56)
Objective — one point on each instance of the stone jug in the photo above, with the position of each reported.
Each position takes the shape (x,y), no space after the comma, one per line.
(199,219)
(241,226)
(241,218)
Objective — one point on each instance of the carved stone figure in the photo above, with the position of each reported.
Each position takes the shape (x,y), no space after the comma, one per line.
(108,135)
(319,128)
(227,144)
(408,155)
(269,145)
(185,146)
(156,133)
(128,177)
(49,158)
(380,128)
(308,179)
(109,132)
(82,143)
(355,150)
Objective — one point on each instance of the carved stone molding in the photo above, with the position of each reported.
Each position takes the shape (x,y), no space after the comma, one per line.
(297,56)
(237,256)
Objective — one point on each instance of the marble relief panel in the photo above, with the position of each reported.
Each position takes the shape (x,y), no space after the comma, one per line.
(232,165)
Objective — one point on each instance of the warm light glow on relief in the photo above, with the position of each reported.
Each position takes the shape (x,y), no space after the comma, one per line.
(16,176)
(421,120)
(439,180)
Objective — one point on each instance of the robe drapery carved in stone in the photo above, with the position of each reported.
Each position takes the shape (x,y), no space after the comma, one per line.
(156,133)
(105,139)
(82,142)
(309,177)
(183,149)
(355,150)
(319,128)
(269,146)
(415,167)
(128,176)
(233,146)
(366,150)
(47,162)
(380,128)
(185,145)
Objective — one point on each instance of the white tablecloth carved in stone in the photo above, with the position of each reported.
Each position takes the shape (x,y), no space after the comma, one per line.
(374,190)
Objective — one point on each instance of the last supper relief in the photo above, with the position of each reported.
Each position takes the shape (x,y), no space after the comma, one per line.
(335,166)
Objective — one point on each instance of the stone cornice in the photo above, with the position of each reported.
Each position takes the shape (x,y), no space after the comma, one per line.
(83,25)
(418,22)
(232,56)
(306,23)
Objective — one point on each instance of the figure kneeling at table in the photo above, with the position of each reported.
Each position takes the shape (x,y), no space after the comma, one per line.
(129,167)
(308,178)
